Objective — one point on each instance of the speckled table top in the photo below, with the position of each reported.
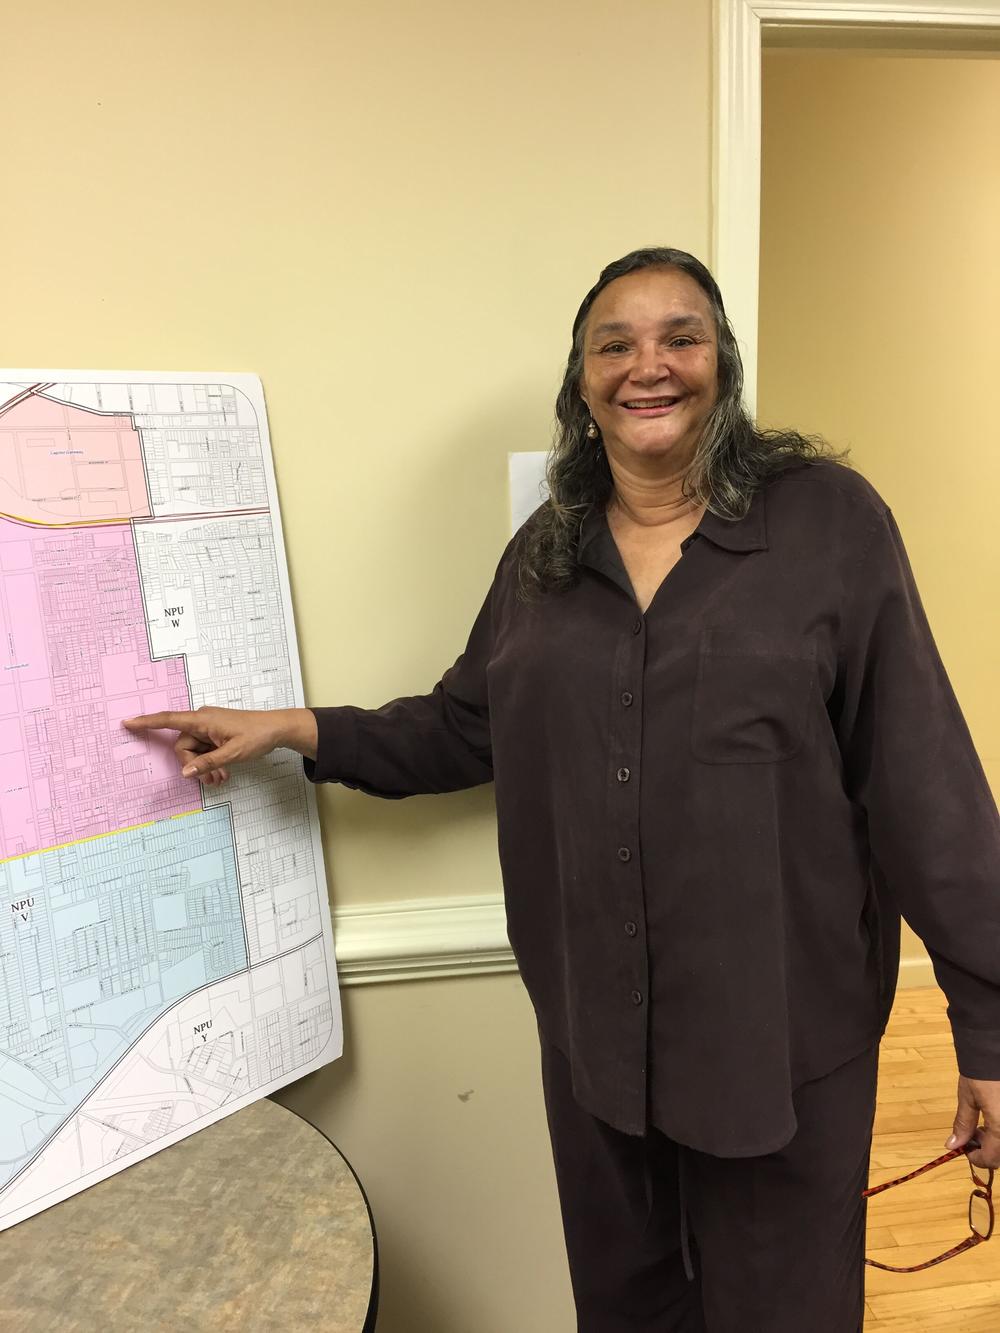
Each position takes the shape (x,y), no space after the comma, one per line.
(256,1223)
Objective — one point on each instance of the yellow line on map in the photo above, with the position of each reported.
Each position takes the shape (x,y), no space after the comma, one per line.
(76,523)
(112,833)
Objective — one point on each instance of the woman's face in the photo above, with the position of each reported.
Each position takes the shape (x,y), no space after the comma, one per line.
(650,366)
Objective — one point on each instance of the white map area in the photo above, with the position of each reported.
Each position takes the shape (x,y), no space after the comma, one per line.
(166,953)
(224,574)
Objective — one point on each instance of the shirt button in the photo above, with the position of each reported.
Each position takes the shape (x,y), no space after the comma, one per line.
(626,699)
(624,854)
(631,929)
(623,775)
(637,997)
(637,626)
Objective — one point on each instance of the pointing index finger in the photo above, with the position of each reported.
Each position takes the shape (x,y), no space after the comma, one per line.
(160,721)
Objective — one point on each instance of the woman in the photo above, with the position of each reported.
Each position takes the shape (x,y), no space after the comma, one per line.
(724,750)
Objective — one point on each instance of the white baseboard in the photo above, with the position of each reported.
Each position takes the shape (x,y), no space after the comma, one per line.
(422,938)
(916,972)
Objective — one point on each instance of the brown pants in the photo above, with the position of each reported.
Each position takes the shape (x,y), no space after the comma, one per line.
(773,1244)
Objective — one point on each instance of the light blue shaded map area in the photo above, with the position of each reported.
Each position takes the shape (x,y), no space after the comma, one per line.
(97,939)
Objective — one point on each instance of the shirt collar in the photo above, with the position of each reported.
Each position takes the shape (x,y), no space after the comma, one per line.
(748,533)
(733,534)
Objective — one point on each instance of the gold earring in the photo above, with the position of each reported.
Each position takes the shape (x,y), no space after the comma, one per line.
(592,431)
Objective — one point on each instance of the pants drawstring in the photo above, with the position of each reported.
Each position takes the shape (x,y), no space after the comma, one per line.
(682,1199)
(647,1181)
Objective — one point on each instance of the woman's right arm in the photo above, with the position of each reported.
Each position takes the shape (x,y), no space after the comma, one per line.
(433,742)
(211,739)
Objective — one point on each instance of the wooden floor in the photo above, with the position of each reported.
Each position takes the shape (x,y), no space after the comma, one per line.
(916,1106)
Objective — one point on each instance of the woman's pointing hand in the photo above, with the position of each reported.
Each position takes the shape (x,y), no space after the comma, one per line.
(211,739)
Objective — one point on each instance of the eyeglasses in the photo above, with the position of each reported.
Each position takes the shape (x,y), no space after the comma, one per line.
(981,1215)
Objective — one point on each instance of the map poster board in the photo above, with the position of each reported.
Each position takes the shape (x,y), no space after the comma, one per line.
(166,954)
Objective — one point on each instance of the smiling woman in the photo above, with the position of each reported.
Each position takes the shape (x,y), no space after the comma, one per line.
(705,690)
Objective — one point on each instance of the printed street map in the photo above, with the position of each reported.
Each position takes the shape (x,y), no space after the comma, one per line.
(165,949)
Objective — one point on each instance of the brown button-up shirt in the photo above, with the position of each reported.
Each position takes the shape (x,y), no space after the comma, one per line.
(711,815)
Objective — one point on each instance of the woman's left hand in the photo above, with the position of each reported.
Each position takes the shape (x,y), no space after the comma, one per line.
(977,1095)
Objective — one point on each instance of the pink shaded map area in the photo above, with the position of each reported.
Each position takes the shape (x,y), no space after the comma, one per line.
(61,464)
(74,660)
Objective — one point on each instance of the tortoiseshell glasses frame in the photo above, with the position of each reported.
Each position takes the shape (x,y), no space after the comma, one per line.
(982,1190)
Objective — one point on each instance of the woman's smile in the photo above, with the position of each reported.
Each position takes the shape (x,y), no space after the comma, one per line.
(651,407)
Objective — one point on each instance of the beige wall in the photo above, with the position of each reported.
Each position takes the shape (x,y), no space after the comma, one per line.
(880,283)
(437,1103)
(390,212)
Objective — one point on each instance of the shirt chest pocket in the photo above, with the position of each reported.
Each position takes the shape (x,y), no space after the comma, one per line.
(751,696)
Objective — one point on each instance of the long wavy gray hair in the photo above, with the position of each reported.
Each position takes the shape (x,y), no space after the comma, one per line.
(732,458)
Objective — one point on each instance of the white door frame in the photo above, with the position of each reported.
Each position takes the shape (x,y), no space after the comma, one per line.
(737,129)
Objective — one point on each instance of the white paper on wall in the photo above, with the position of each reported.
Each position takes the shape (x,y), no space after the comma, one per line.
(527,485)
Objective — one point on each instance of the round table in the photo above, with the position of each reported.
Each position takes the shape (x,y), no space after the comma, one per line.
(254,1224)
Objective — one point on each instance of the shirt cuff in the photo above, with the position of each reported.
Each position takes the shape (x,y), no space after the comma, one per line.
(978,1052)
(336,745)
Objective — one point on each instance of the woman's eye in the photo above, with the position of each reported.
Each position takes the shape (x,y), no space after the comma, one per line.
(614,347)
(682,342)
